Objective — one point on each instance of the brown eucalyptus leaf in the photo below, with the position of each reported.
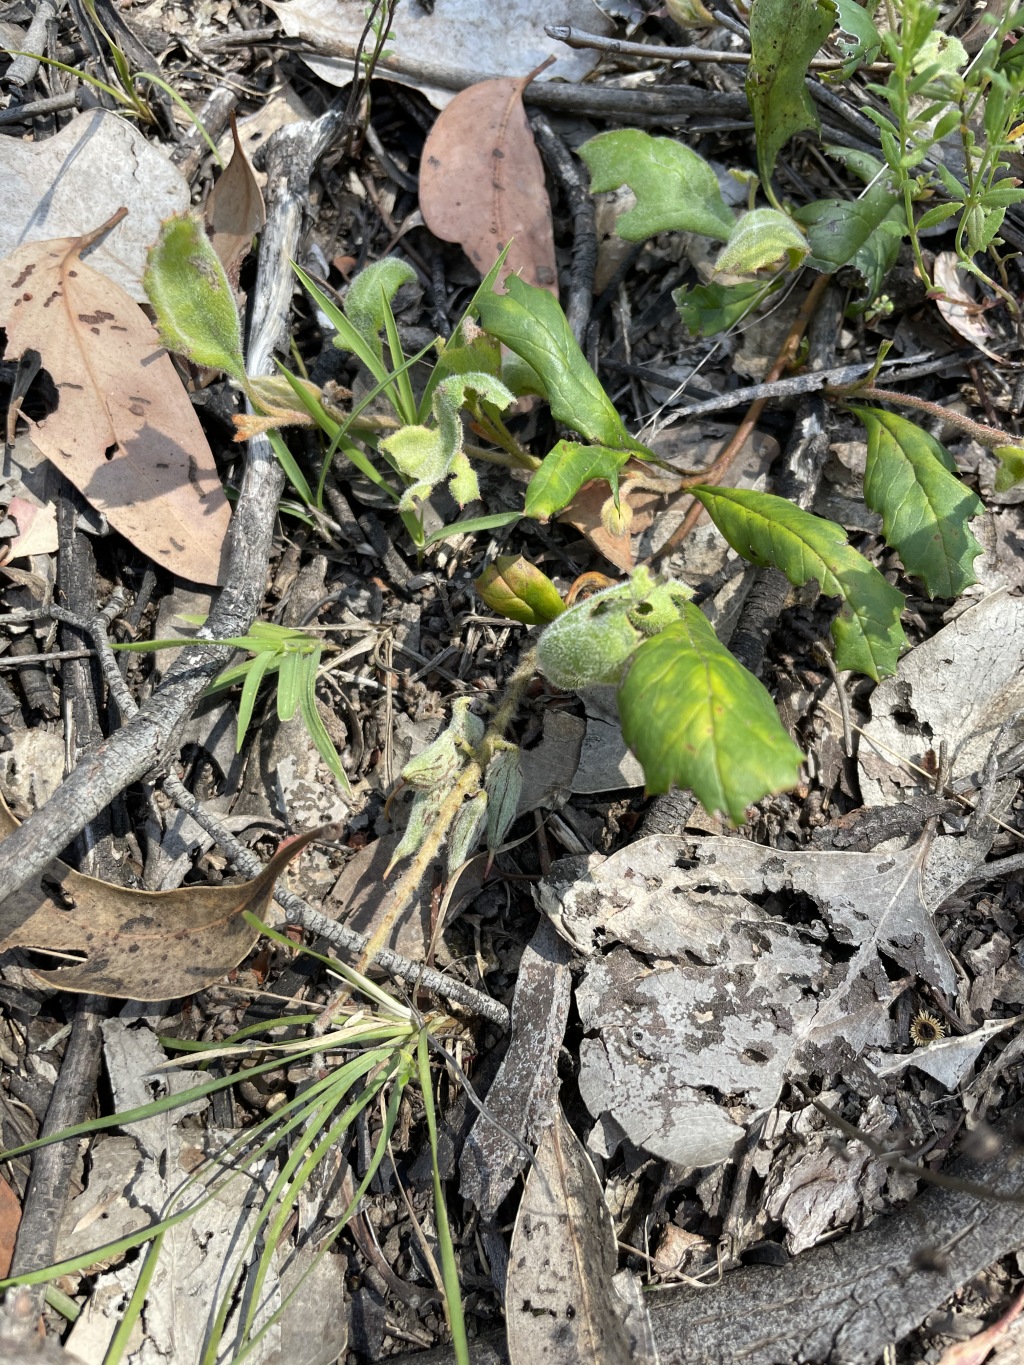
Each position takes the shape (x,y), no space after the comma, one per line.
(234,211)
(140,945)
(124,431)
(561,1300)
(482,183)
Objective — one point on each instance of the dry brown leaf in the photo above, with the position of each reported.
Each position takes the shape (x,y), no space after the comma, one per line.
(234,211)
(482,183)
(124,431)
(584,513)
(10,1217)
(960,309)
(140,945)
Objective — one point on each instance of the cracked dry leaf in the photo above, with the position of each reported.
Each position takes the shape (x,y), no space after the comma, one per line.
(482,183)
(563,1302)
(124,431)
(139,945)
(699,1002)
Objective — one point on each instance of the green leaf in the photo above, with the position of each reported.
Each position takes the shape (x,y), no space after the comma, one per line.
(470,525)
(676,190)
(696,718)
(911,480)
(348,337)
(864,233)
(770,530)
(314,724)
(289,684)
(707,309)
(762,238)
(784,36)
(1011,467)
(530,322)
(195,305)
(254,675)
(564,471)
(368,300)
(857,37)
(288,463)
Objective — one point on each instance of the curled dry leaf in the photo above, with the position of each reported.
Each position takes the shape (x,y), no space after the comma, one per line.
(140,945)
(482,183)
(234,211)
(124,431)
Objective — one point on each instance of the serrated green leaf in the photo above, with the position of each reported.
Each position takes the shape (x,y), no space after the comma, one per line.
(784,36)
(769,530)
(864,233)
(676,190)
(911,481)
(564,471)
(195,305)
(1011,467)
(762,238)
(696,718)
(289,684)
(707,309)
(530,322)
(254,675)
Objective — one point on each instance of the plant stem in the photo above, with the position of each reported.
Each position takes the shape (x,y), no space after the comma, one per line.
(990,437)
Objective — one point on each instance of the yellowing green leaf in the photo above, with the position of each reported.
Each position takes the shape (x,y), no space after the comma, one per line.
(784,36)
(195,305)
(696,718)
(762,238)
(564,471)
(770,530)
(519,590)
(911,480)
(676,190)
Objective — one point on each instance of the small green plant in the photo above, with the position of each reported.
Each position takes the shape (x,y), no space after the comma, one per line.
(376,1052)
(293,657)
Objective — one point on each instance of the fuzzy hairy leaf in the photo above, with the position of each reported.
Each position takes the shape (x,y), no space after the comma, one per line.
(676,190)
(696,718)
(531,323)
(370,295)
(564,471)
(911,481)
(762,238)
(784,36)
(769,530)
(194,303)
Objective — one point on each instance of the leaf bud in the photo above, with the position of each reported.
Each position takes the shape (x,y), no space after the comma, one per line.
(515,588)
(503,783)
(466,829)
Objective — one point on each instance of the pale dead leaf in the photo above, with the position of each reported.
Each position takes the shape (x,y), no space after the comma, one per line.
(482,183)
(561,1303)
(140,945)
(95,164)
(959,308)
(460,40)
(37,528)
(124,432)
(234,212)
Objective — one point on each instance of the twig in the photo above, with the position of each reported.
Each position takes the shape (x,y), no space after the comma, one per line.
(918,366)
(52,1166)
(576,188)
(618,47)
(24,113)
(22,71)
